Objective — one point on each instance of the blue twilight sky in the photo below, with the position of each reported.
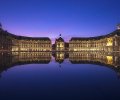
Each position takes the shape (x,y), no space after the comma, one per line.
(50,18)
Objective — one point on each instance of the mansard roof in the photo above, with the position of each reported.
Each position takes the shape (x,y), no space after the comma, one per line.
(33,38)
(116,32)
(60,39)
(25,37)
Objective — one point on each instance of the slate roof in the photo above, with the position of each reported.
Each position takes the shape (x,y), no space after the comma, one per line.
(24,37)
(60,39)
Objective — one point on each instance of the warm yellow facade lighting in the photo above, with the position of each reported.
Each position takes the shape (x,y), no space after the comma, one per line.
(109,41)
(109,59)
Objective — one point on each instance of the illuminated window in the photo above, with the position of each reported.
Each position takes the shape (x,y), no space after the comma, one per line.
(61,56)
(75,49)
(109,41)
(109,59)
(61,45)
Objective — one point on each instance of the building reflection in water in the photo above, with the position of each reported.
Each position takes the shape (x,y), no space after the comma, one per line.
(12,59)
(59,57)
(110,60)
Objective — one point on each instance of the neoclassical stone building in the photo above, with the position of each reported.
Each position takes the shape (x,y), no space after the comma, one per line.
(59,44)
(11,42)
(106,43)
(20,43)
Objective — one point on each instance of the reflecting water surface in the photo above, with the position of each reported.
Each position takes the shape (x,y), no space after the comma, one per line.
(59,76)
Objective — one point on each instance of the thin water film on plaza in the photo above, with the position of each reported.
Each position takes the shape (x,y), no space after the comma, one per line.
(59,75)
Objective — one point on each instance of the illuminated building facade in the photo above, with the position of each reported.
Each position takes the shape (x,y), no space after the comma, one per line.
(10,42)
(59,44)
(105,43)
(21,43)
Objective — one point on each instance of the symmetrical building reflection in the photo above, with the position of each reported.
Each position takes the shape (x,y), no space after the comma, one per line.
(34,57)
(111,60)
(12,59)
(101,50)
(60,56)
